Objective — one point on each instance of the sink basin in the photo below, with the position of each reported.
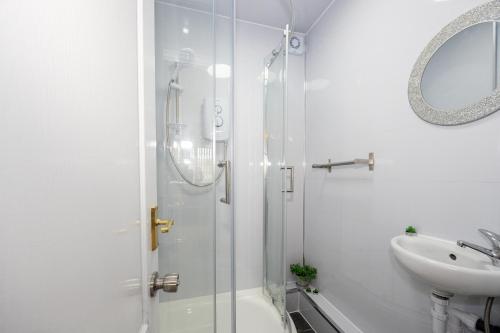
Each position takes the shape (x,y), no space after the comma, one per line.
(446,266)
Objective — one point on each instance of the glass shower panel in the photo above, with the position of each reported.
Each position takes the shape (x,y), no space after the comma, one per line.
(275,175)
(194,63)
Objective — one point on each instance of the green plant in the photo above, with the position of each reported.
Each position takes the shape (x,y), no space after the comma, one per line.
(308,289)
(411,229)
(305,273)
(316,291)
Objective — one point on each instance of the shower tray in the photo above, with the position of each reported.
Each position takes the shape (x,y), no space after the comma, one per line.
(302,308)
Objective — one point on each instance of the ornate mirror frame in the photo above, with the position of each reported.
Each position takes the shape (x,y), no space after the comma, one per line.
(487,12)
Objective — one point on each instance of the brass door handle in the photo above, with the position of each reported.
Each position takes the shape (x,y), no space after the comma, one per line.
(165,226)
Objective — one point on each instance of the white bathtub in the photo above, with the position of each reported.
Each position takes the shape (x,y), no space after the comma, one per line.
(254,313)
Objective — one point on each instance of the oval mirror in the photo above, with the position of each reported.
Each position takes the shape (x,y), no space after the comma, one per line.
(455,79)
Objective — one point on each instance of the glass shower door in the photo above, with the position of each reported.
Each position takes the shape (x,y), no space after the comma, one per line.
(194,106)
(275,108)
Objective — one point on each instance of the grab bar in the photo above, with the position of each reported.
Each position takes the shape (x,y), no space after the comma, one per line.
(227,173)
(357,161)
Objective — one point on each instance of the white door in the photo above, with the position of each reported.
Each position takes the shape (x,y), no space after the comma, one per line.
(70,236)
(147,156)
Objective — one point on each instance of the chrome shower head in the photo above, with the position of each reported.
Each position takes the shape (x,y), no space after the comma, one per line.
(186,57)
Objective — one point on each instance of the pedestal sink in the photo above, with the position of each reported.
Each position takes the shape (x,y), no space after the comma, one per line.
(449,269)
(446,266)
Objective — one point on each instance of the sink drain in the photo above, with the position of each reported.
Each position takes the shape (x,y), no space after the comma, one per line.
(453,257)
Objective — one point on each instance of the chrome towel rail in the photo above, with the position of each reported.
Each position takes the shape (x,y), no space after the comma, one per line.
(358,161)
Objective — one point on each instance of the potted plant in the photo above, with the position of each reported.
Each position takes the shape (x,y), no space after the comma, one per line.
(305,274)
(411,231)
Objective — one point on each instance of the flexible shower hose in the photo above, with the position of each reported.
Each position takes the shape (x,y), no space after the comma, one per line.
(185,178)
(167,139)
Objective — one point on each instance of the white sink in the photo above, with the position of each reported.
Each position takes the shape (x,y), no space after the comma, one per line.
(471,273)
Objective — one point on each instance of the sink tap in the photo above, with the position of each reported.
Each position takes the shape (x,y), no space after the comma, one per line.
(493,253)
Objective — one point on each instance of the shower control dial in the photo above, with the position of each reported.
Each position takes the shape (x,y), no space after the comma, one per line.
(219,122)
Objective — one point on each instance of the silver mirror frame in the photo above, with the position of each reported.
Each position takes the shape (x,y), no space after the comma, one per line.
(487,12)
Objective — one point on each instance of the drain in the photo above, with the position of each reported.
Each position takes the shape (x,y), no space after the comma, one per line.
(453,257)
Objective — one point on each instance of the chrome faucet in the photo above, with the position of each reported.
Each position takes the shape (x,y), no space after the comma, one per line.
(493,253)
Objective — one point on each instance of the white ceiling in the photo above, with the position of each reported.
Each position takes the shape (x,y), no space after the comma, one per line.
(275,13)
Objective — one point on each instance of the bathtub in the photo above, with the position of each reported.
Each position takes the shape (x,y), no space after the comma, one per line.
(254,313)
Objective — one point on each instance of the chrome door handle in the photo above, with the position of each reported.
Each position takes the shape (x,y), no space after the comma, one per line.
(290,188)
(169,283)
(227,175)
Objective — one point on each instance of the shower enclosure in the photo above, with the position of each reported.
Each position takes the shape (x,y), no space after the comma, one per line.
(194,81)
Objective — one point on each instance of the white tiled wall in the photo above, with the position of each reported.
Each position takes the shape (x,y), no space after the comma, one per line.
(443,180)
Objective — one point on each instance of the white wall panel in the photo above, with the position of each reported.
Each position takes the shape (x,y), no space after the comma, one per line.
(443,180)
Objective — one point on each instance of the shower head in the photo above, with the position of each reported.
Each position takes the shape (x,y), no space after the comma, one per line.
(186,57)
